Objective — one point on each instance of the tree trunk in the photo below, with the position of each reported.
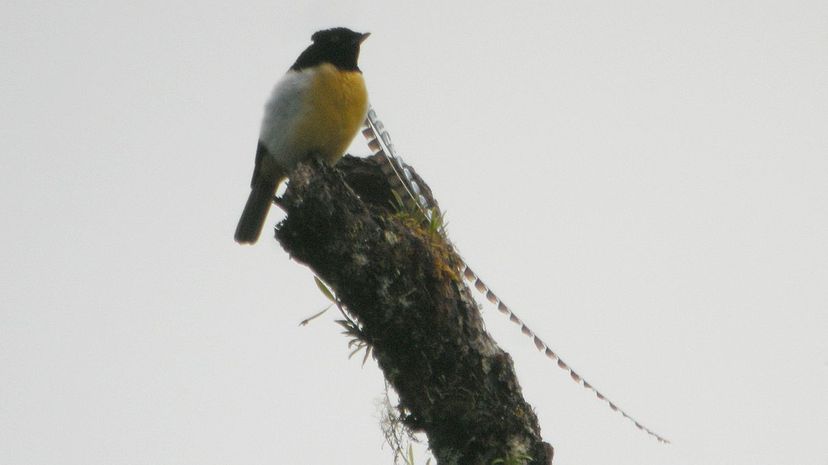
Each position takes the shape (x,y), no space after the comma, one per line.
(399,280)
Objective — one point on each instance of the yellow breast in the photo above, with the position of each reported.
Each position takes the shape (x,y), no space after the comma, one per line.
(337,102)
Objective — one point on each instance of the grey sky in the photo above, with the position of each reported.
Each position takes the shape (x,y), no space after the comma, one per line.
(643,182)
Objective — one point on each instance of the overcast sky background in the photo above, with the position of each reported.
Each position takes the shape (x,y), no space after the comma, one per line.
(644,183)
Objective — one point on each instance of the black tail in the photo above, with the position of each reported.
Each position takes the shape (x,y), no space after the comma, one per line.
(255,211)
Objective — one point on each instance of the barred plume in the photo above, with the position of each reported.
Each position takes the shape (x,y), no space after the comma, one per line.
(472,277)
(379,141)
(400,178)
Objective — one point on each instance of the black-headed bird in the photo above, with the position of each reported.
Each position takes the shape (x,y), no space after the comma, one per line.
(315,110)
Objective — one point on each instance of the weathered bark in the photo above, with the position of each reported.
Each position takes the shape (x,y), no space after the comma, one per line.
(399,281)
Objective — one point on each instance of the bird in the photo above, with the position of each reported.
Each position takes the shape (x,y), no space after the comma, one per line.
(315,110)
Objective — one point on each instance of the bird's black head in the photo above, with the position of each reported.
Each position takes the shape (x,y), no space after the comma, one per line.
(338,46)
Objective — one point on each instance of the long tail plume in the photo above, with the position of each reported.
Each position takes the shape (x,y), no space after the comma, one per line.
(379,141)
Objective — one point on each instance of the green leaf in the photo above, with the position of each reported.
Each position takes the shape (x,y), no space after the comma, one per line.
(355,351)
(367,354)
(401,205)
(315,315)
(325,289)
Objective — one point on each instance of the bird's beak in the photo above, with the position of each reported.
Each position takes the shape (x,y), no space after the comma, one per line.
(363,37)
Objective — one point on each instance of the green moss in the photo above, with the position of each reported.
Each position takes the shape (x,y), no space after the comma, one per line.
(431,232)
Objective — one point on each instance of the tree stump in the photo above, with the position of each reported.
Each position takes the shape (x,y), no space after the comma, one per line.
(400,282)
